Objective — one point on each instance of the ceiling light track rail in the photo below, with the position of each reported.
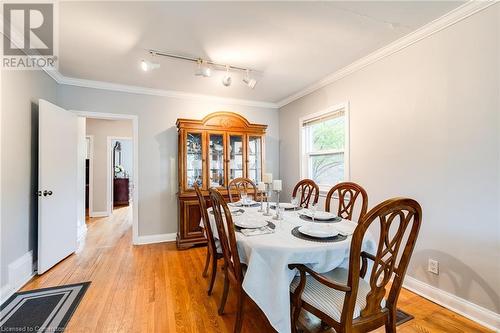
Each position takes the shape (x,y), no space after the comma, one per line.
(200,60)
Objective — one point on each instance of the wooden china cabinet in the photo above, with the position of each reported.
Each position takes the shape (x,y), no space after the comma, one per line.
(213,151)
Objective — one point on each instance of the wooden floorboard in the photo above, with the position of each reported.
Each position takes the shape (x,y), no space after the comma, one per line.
(155,288)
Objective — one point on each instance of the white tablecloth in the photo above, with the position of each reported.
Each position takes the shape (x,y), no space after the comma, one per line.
(267,279)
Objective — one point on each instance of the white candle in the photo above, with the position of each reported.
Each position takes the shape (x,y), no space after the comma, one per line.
(261,186)
(267,178)
(277,185)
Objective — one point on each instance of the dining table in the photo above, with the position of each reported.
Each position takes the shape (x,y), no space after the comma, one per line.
(267,256)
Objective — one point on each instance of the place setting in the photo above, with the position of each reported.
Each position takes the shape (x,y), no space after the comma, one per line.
(313,215)
(235,211)
(249,226)
(293,205)
(319,232)
(245,201)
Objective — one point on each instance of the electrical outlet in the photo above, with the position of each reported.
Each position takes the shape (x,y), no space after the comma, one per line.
(433,266)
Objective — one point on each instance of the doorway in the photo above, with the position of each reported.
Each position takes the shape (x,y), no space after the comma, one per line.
(111,141)
(89,176)
(120,172)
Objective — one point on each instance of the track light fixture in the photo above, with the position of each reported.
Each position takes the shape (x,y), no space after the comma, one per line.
(204,68)
(147,65)
(226,80)
(248,80)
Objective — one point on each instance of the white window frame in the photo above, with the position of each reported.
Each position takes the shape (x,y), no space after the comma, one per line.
(304,157)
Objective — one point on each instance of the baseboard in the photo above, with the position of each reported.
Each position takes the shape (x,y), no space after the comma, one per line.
(99,214)
(159,238)
(20,272)
(456,304)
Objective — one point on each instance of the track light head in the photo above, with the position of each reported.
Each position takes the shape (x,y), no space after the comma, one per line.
(203,69)
(226,79)
(249,81)
(148,65)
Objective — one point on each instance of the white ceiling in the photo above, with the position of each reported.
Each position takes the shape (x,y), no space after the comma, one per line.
(292,44)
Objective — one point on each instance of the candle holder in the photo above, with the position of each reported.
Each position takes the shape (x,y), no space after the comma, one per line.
(269,193)
(261,209)
(277,216)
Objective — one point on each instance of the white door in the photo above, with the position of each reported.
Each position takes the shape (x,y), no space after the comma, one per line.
(57,184)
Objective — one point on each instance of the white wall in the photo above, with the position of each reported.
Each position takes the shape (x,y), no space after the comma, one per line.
(19,130)
(425,124)
(158,143)
(100,129)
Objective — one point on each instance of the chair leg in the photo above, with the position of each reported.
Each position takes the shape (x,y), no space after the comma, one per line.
(239,313)
(212,276)
(295,316)
(207,262)
(224,294)
(390,322)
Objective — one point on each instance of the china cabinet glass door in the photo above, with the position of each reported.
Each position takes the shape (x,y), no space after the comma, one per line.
(216,168)
(236,153)
(255,158)
(194,159)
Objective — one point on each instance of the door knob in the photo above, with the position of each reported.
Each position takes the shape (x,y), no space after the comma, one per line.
(45,193)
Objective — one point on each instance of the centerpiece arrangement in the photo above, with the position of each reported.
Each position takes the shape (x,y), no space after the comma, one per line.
(268,186)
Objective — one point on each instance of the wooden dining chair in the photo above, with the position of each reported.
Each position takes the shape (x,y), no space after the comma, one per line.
(308,190)
(214,252)
(241,184)
(342,298)
(347,194)
(233,268)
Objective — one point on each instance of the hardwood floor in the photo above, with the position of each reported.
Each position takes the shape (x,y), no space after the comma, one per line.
(155,288)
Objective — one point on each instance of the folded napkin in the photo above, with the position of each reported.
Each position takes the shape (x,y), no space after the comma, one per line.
(258,231)
(346,229)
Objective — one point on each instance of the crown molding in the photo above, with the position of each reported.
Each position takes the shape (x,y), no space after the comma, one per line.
(70,81)
(458,14)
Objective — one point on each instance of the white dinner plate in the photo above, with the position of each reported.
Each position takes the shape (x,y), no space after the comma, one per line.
(320,216)
(286,205)
(250,223)
(239,203)
(318,230)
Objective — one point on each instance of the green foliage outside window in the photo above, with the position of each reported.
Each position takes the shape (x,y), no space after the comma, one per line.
(328,136)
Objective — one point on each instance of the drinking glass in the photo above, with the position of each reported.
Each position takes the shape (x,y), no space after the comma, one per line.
(313,209)
(243,197)
(280,223)
(295,202)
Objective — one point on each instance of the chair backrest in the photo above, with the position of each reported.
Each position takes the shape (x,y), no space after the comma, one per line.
(394,249)
(227,236)
(238,185)
(347,194)
(205,219)
(308,190)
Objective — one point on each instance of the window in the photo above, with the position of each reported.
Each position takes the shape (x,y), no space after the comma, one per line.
(325,147)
